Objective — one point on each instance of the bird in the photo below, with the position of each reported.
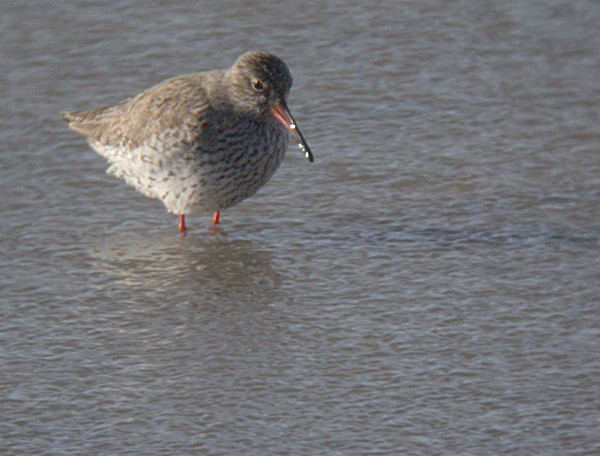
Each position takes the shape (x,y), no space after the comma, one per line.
(201,142)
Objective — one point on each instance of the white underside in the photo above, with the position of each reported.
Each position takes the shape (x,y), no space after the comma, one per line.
(188,182)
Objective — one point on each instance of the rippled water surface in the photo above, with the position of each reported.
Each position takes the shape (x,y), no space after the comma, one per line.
(428,286)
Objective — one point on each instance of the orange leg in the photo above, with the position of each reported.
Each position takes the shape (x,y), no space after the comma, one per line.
(216,218)
(182,226)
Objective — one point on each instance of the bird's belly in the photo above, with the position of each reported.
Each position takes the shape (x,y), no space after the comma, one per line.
(189,181)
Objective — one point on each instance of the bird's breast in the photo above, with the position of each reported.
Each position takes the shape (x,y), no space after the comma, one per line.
(234,160)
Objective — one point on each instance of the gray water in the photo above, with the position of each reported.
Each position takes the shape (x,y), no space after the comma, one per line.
(428,286)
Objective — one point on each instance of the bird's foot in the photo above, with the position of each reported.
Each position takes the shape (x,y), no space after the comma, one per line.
(182,227)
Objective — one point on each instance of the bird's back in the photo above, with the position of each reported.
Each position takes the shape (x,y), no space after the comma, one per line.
(179,103)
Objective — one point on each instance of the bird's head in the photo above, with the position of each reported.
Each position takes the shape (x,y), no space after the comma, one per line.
(260,84)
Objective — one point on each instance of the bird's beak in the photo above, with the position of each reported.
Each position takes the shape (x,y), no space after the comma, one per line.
(281,112)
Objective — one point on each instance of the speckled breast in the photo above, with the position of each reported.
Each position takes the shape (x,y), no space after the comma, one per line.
(234,163)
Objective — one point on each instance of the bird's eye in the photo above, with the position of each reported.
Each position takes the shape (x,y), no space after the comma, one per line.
(258,85)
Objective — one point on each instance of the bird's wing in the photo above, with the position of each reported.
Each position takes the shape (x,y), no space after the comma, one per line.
(177,107)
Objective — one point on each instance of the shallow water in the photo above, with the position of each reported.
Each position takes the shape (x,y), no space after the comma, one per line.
(428,286)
